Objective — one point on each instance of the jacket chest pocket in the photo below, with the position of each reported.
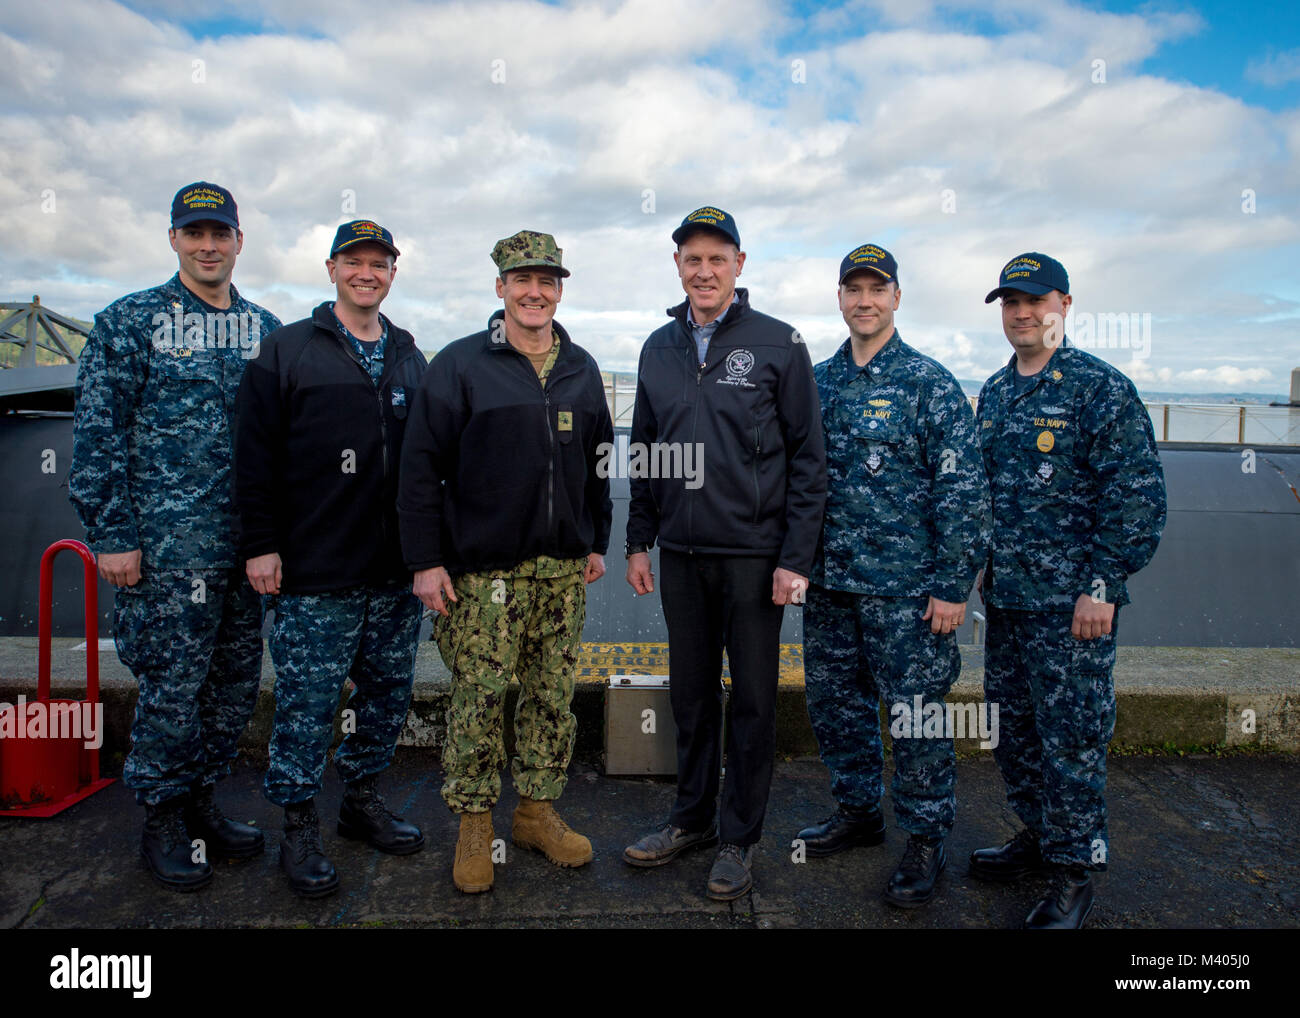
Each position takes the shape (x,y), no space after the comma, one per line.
(187,389)
(1048,456)
(880,443)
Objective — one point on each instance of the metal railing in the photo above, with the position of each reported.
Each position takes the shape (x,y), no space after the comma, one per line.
(620,394)
(1240,424)
(1229,423)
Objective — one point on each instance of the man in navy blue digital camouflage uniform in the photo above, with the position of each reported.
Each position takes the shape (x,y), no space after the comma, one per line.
(322,416)
(1078,506)
(150,479)
(905,532)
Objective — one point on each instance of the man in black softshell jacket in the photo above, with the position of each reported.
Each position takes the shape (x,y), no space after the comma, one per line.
(728,475)
(505,515)
(321,415)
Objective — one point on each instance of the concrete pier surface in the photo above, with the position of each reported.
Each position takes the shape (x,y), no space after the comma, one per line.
(1188,698)
(1197,842)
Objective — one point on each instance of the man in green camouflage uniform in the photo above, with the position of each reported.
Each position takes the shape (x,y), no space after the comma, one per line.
(1078,506)
(905,532)
(505,517)
(150,479)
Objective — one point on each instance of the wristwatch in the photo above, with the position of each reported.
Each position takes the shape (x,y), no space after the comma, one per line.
(636,549)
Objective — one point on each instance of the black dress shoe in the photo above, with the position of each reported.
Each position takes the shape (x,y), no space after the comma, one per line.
(302,857)
(666,844)
(731,875)
(222,837)
(1019,857)
(848,827)
(364,817)
(1067,902)
(166,849)
(913,882)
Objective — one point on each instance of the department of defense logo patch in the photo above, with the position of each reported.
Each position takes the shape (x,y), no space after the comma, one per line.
(740,363)
(874,462)
(1045,470)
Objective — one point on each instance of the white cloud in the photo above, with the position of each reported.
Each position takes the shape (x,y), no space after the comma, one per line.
(1136,184)
(1275,69)
(1226,376)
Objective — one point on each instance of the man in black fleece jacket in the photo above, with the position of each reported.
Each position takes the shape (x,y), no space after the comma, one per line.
(732,391)
(505,516)
(321,416)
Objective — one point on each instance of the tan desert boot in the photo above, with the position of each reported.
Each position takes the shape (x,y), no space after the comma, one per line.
(472,872)
(538,826)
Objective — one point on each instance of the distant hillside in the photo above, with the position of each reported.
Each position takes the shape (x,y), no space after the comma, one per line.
(9,351)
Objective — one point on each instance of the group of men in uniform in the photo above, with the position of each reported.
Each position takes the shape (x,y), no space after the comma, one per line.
(222,462)
(1048,497)
(324,469)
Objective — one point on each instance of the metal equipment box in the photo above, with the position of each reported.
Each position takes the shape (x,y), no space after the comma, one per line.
(640,734)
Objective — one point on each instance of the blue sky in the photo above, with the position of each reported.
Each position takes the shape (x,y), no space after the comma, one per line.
(1220,55)
(1216,55)
(956,134)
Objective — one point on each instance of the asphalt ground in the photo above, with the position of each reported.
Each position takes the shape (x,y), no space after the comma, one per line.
(1197,843)
(1204,885)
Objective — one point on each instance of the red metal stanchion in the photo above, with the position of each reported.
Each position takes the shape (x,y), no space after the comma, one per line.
(45,762)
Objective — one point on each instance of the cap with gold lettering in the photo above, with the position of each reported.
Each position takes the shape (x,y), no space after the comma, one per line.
(199,201)
(362,231)
(528,249)
(707,218)
(1030,273)
(871,258)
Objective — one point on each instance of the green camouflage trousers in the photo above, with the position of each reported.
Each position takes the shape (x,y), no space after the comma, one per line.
(525,622)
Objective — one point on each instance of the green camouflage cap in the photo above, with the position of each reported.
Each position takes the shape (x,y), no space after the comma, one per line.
(527,249)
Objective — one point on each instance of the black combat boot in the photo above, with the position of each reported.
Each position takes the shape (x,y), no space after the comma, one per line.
(223,837)
(165,846)
(364,817)
(848,827)
(1019,857)
(302,857)
(913,882)
(1067,902)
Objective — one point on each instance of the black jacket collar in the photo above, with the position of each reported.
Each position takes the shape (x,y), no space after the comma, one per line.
(737,309)
(323,318)
(566,344)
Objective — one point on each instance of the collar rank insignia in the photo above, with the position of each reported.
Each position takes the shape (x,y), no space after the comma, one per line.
(874,463)
(1045,470)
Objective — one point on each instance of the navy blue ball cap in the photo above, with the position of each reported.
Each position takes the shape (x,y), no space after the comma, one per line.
(872,258)
(707,218)
(1030,273)
(201,200)
(362,231)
